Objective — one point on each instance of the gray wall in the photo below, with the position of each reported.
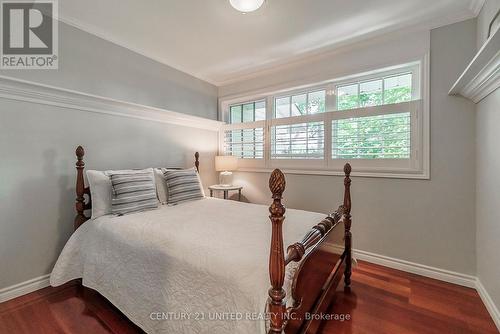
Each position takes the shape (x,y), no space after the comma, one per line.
(429,222)
(488,179)
(488,195)
(92,65)
(37,143)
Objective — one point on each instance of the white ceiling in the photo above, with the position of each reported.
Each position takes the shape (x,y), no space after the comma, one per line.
(214,42)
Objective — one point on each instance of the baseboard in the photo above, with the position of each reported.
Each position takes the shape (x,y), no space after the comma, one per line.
(488,302)
(436,273)
(24,288)
(411,267)
(416,268)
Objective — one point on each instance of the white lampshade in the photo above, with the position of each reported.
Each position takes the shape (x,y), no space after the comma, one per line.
(226,163)
(246,6)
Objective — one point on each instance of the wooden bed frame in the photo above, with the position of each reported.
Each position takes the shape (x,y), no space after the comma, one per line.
(322,261)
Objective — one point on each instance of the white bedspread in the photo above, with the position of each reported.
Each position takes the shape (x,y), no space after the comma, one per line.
(206,258)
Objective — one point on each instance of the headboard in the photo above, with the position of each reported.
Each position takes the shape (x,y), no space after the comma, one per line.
(84,203)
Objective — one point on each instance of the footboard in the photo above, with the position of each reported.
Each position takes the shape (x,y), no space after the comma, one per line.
(324,255)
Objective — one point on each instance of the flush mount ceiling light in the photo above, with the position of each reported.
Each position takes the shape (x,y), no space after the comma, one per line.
(246,6)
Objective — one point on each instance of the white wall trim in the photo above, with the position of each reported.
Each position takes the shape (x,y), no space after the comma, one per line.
(269,68)
(482,75)
(485,83)
(377,174)
(470,281)
(28,91)
(24,288)
(488,302)
(416,268)
(435,273)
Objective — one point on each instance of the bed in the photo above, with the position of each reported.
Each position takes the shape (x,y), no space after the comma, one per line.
(190,269)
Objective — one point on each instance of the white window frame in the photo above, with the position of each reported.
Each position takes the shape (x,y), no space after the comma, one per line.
(417,167)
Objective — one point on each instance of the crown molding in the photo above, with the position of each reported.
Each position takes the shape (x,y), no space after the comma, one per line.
(266,68)
(486,82)
(482,75)
(28,91)
(347,45)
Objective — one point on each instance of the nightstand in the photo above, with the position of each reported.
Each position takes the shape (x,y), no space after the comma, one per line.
(226,190)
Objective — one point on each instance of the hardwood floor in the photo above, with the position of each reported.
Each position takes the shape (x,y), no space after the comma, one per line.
(381,300)
(384,300)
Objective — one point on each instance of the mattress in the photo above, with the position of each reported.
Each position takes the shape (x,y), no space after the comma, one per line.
(197,267)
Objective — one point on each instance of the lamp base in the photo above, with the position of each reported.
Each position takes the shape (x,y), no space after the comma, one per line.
(226,179)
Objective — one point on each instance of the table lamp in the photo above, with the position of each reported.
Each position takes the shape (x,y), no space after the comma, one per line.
(225,164)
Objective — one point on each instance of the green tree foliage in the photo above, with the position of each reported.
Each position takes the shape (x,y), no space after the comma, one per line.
(375,137)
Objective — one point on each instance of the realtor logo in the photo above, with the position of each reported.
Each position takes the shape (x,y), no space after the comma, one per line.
(29,35)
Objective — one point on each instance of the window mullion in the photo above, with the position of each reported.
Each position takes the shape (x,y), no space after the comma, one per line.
(290,127)
(242,137)
(253,131)
(307,104)
(267,130)
(383,91)
(359,95)
(327,138)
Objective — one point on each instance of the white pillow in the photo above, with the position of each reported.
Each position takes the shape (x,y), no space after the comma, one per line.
(101,193)
(161,186)
(201,185)
(101,189)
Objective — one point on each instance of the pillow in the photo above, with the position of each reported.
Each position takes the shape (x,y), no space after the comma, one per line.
(161,186)
(100,191)
(201,184)
(192,168)
(133,192)
(183,185)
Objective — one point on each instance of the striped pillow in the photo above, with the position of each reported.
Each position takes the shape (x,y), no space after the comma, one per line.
(183,185)
(133,192)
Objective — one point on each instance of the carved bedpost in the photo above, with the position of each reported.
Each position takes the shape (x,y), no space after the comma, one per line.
(276,303)
(80,188)
(197,161)
(347,224)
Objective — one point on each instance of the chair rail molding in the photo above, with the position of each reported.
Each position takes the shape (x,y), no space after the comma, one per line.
(482,75)
(28,91)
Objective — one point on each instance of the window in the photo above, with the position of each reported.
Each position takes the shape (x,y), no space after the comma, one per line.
(298,141)
(245,143)
(376,121)
(291,138)
(372,137)
(248,112)
(300,105)
(391,89)
(243,139)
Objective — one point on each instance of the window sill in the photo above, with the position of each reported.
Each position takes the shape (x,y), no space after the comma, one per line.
(406,174)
